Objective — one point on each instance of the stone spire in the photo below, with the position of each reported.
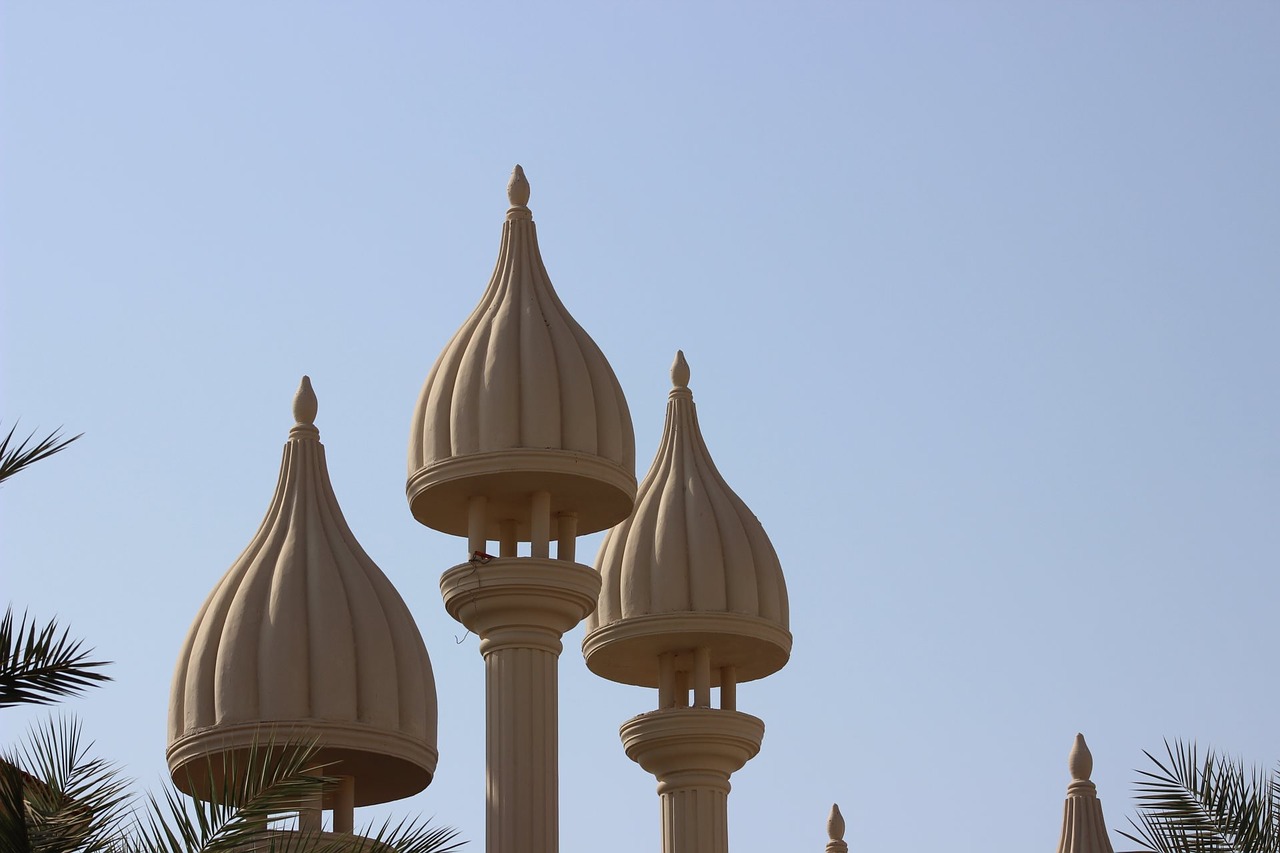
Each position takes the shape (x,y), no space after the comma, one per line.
(521,434)
(1083,828)
(835,831)
(692,597)
(690,568)
(520,400)
(305,639)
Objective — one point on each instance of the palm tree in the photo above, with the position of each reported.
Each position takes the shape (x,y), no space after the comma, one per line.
(1214,805)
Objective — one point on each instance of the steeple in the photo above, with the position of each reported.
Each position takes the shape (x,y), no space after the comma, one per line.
(1083,828)
(304,639)
(521,435)
(691,568)
(521,400)
(692,597)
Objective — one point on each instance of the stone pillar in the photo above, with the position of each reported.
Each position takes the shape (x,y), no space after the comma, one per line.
(520,607)
(693,752)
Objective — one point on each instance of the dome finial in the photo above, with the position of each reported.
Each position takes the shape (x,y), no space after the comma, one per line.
(518,188)
(835,824)
(680,371)
(1080,762)
(305,403)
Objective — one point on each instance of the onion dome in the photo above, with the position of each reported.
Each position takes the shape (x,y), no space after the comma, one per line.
(521,400)
(305,639)
(1083,828)
(690,568)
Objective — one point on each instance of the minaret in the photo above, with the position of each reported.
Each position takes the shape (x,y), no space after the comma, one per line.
(521,435)
(304,640)
(1083,828)
(692,598)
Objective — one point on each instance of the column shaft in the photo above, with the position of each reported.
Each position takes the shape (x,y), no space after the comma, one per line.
(522,802)
(695,820)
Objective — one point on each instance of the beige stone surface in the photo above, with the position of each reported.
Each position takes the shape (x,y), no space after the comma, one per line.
(692,567)
(692,752)
(1083,827)
(835,831)
(304,637)
(520,400)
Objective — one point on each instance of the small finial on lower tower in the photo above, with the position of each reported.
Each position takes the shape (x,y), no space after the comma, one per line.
(835,824)
(680,371)
(518,188)
(305,404)
(1080,762)
(835,832)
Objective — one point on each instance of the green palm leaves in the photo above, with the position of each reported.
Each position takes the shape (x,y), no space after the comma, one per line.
(1212,805)
(40,665)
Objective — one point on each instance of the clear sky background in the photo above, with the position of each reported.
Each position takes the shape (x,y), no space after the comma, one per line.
(981,302)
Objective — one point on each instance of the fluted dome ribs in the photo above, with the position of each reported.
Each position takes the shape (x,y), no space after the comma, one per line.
(699,526)
(305,635)
(518,351)
(520,401)
(690,568)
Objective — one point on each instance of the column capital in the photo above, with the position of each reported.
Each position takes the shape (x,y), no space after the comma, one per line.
(520,602)
(692,747)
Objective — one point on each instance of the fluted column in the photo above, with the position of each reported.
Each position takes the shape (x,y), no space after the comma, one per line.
(693,752)
(520,607)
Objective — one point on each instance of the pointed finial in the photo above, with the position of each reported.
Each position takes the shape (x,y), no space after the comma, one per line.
(305,403)
(835,824)
(518,187)
(1080,762)
(680,371)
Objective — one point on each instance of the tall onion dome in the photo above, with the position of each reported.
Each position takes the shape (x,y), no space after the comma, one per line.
(691,597)
(521,434)
(305,640)
(520,401)
(691,569)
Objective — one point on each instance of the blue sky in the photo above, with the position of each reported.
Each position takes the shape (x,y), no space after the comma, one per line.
(980,302)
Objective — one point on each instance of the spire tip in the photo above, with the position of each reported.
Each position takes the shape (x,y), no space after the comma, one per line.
(1080,762)
(305,403)
(518,188)
(835,824)
(680,371)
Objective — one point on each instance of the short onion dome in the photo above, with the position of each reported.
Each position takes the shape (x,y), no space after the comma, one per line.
(305,640)
(521,400)
(691,567)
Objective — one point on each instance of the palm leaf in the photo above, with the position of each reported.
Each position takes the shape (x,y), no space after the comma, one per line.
(15,456)
(38,666)
(253,798)
(1214,805)
(56,798)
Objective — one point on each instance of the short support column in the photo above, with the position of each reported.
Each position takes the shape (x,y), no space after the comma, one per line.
(344,805)
(540,526)
(520,608)
(507,542)
(666,680)
(692,752)
(729,688)
(567,537)
(477,523)
(702,677)
(309,814)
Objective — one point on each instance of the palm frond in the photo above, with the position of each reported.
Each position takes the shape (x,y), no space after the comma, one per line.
(15,456)
(1214,805)
(39,665)
(253,799)
(246,792)
(57,798)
